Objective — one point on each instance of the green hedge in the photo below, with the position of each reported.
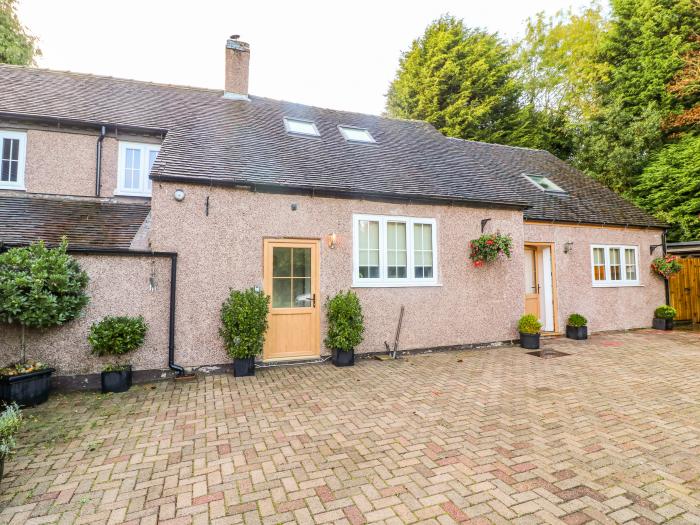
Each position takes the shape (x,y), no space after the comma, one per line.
(244,323)
(345,321)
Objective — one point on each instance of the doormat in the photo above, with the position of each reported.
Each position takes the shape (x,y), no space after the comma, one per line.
(546,353)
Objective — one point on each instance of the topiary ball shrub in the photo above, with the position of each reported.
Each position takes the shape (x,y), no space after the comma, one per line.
(665,312)
(577,320)
(40,287)
(244,323)
(529,324)
(346,324)
(116,336)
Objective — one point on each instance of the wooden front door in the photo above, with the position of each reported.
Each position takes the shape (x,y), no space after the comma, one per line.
(291,279)
(684,289)
(532,284)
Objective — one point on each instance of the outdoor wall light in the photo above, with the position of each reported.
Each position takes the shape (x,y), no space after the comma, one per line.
(568,246)
(332,238)
(179,195)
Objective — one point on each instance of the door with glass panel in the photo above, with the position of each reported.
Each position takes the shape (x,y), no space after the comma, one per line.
(532,282)
(291,279)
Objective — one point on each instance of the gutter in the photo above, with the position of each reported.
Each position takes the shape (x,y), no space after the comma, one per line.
(338,193)
(667,288)
(180,371)
(98,161)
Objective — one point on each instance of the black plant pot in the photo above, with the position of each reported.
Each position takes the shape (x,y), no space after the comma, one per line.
(26,389)
(577,332)
(530,341)
(662,324)
(244,366)
(116,381)
(343,358)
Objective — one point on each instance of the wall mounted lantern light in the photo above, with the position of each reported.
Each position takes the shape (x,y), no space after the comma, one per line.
(332,238)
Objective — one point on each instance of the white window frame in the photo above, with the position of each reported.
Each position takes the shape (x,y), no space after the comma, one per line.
(21,159)
(344,132)
(608,283)
(287,120)
(383,281)
(144,189)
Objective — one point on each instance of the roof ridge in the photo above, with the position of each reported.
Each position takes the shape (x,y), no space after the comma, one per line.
(109,77)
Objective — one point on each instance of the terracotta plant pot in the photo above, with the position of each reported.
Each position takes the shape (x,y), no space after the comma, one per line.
(243,366)
(116,381)
(343,358)
(26,389)
(662,324)
(577,332)
(530,341)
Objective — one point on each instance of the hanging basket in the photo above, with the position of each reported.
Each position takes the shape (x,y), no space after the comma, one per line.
(489,248)
(666,266)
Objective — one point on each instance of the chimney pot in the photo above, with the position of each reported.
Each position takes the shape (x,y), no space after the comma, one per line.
(237,68)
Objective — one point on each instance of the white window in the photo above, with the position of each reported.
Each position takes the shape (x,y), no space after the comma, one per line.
(300,127)
(544,183)
(135,163)
(394,251)
(615,265)
(13,147)
(356,134)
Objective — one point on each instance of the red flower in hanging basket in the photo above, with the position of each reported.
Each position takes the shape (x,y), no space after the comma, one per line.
(490,247)
(666,266)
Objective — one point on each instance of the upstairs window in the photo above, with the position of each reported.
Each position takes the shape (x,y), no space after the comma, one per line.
(356,134)
(544,183)
(615,265)
(135,163)
(300,127)
(394,251)
(12,154)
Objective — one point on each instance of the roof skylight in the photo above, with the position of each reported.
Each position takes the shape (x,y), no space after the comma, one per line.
(544,183)
(352,134)
(300,127)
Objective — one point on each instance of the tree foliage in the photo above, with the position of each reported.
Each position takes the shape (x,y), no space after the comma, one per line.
(670,186)
(17,45)
(459,79)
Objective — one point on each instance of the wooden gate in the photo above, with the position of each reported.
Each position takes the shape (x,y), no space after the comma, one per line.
(685,291)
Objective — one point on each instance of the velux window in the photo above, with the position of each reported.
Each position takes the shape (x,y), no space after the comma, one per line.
(352,134)
(12,153)
(300,127)
(394,251)
(615,265)
(135,163)
(544,183)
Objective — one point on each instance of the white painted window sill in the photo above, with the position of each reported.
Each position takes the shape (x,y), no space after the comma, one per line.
(12,187)
(385,284)
(617,285)
(121,193)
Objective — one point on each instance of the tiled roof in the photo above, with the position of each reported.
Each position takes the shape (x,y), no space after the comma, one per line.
(85,223)
(217,140)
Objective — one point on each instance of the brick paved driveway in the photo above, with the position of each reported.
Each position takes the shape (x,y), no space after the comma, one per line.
(610,433)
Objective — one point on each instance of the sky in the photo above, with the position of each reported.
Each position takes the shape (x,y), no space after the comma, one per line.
(332,53)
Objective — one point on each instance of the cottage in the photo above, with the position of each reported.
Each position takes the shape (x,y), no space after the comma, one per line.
(172,195)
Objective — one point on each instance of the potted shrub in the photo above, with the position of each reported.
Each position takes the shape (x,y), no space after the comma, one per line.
(490,247)
(243,327)
(529,327)
(345,327)
(663,317)
(10,422)
(576,327)
(116,336)
(40,287)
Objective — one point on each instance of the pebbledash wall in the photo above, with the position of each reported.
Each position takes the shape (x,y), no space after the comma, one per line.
(118,285)
(225,250)
(613,308)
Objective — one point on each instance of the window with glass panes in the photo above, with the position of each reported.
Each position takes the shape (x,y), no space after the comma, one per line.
(394,251)
(614,265)
(12,146)
(135,163)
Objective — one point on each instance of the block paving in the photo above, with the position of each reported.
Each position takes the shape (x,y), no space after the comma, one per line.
(607,434)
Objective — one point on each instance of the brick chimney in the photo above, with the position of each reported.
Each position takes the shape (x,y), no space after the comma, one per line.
(237,66)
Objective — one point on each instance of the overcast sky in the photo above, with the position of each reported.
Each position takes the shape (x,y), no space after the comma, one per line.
(328,53)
